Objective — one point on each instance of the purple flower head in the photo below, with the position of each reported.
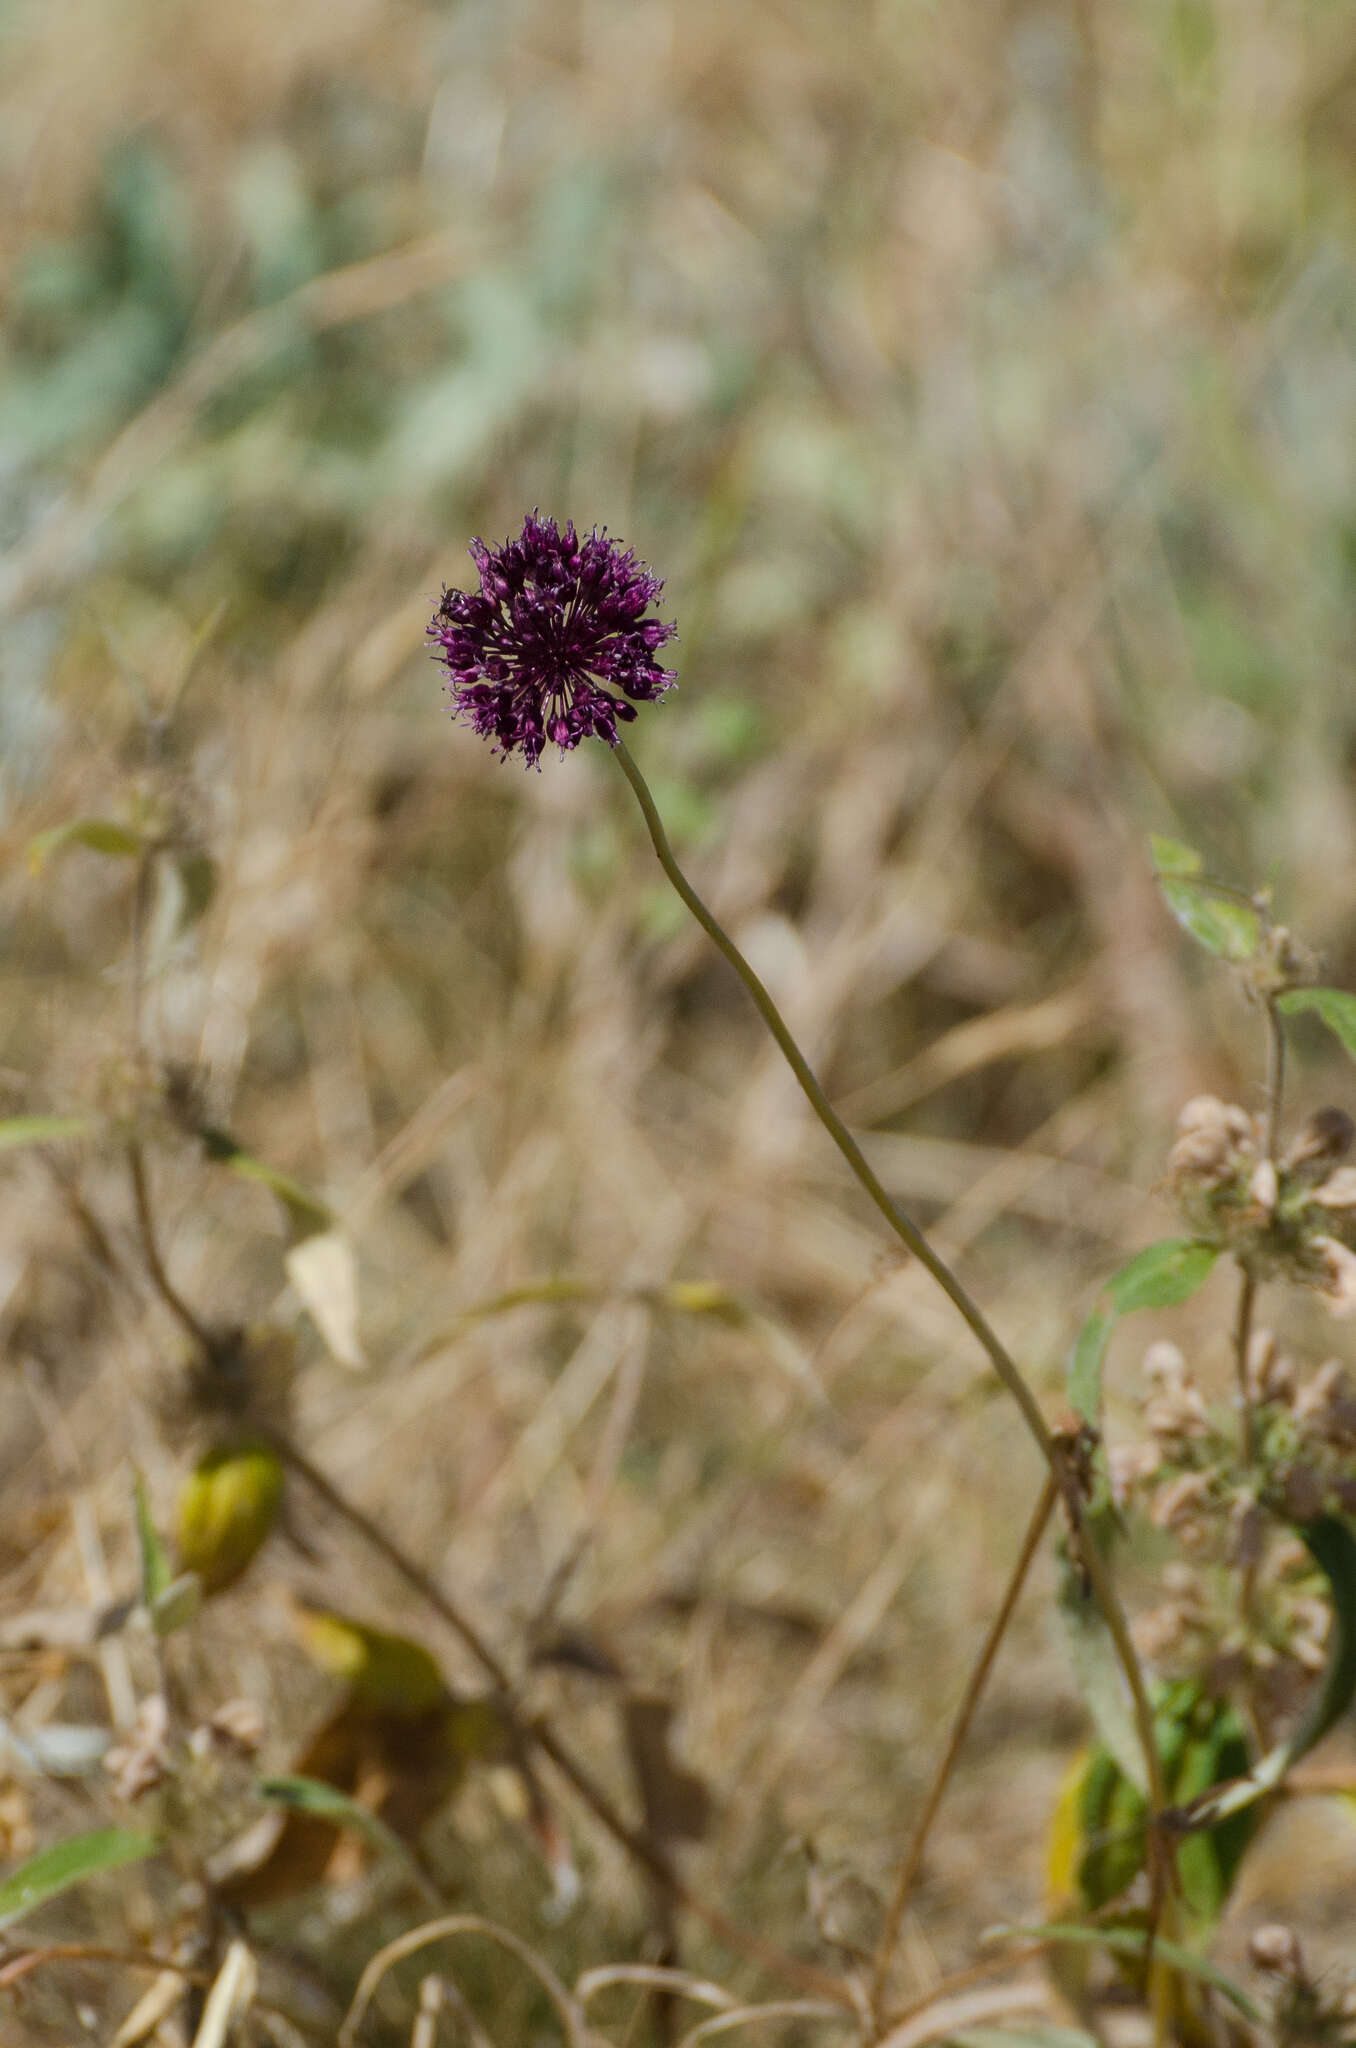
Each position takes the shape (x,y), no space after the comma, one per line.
(555,631)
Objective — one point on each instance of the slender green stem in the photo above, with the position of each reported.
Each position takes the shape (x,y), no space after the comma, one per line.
(908,1231)
(903,1228)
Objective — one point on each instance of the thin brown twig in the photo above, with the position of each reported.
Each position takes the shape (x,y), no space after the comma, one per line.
(1243,1329)
(1275,1074)
(642,1848)
(1247,1300)
(903,1226)
(27,1960)
(960,1728)
(1247,1295)
(164,1286)
(537,1730)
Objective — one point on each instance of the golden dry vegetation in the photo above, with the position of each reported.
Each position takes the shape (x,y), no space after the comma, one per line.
(981,380)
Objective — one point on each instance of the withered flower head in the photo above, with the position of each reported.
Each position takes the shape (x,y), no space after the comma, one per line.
(1213,1139)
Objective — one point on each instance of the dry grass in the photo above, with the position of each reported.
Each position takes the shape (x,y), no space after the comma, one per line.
(981,380)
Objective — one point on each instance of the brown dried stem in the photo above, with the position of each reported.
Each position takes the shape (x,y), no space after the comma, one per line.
(960,1728)
(537,1731)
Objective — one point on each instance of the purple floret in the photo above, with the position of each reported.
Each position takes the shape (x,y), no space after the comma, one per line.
(556,630)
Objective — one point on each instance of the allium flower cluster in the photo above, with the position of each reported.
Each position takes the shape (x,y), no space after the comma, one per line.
(555,645)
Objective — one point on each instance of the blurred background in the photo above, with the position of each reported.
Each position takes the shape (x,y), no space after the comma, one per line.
(981,380)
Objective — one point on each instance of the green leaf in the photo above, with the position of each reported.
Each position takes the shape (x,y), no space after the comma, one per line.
(178,1604)
(101,835)
(1132,1941)
(1173,857)
(312,1796)
(306,1213)
(1215,921)
(55,1870)
(1215,1750)
(1085,1365)
(1333,1547)
(39,1130)
(156,1570)
(1161,1276)
(1335,1007)
(1100,1679)
(1111,1816)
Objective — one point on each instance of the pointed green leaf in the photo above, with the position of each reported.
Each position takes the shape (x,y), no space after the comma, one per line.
(1336,1008)
(39,1130)
(1132,1941)
(1173,857)
(306,1213)
(156,1570)
(177,1605)
(55,1870)
(1084,1377)
(1160,1276)
(1219,923)
(312,1796)
(101,835)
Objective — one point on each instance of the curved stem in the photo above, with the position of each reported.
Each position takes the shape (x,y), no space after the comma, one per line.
(1002,1362)
(999,1357)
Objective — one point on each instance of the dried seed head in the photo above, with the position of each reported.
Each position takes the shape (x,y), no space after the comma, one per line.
(1264,1187)
(1326,1407)
(1213,1139)
(238,1724)
(1276,1950)
(1178,1504)
(1128,1466)
(1161,1633)
(1337,1282)
(1271,1372)
(1164,1363)
(1325,1139)
(1176,1413)
(143,1761)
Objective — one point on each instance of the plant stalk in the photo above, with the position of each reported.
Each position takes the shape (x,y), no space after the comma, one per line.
(909,1233)
(960,1728)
